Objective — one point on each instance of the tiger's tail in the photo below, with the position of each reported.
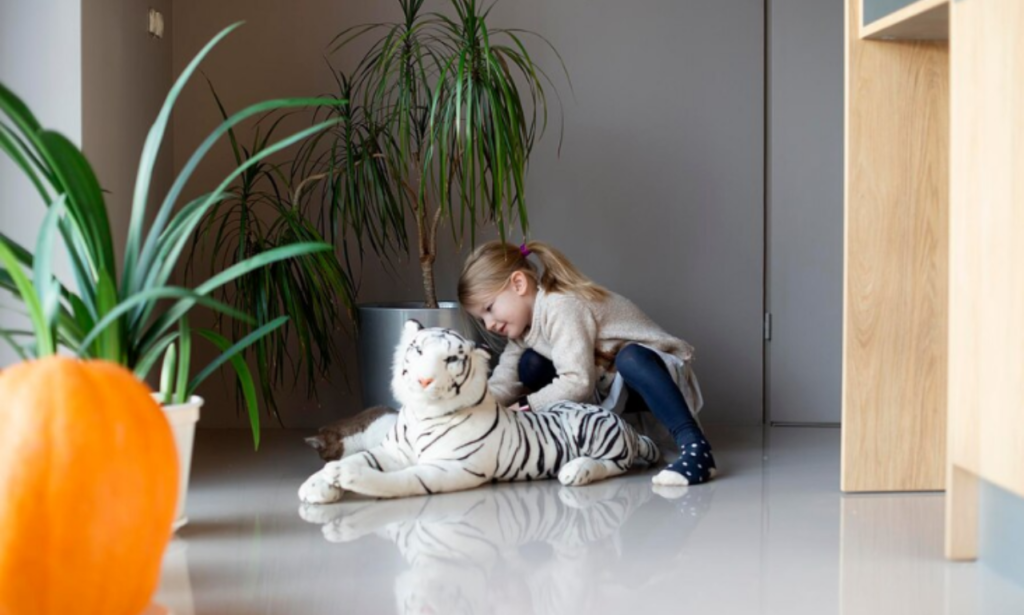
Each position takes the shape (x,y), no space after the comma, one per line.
(647,451)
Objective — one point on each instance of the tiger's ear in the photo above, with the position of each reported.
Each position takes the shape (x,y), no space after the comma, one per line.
(409,331)
(483,353)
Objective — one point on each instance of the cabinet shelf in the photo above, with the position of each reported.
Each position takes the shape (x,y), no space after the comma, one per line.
(917,21)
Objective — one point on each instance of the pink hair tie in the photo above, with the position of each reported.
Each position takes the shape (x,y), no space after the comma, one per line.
(524,250)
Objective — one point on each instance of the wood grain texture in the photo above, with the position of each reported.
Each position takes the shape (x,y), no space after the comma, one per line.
(895,272)
(922,20)
(986,308)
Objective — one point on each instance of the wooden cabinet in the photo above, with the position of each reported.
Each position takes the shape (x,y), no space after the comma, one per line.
(934,290)
(986,249)
(896,263)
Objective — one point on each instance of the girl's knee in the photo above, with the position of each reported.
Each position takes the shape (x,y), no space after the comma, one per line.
(633,358)
(535,370)
(531,361)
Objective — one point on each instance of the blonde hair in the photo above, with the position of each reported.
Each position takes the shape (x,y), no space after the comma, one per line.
(489,268)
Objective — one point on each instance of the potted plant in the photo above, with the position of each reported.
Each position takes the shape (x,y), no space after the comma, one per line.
(135,318)
(314,290)
(443,114)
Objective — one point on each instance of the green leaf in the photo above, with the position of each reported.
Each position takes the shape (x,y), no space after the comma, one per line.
(8,336)
(182,390)
(149,155)
(22,155)
(186,298)
(172,253)
(108,327)
(235,271)
(44,336)
(148,360)
(233,353)
(167,375)
(46,285)
(85,198)
(145,259)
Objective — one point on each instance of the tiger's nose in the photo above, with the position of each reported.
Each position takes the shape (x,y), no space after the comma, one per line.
(425,382)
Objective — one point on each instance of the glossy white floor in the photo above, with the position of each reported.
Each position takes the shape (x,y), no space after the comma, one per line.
(772,535)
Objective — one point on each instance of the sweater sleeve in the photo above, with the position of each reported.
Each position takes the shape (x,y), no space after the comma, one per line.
(572,331)
(504,382)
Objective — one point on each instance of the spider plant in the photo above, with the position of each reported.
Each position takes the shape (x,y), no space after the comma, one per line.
(133,318)
(308,288)
(445,113)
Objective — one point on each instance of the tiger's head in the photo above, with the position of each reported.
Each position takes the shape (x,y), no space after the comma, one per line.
(437,371)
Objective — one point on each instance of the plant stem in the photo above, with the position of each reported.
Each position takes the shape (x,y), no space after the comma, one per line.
(427,238)
(427,266)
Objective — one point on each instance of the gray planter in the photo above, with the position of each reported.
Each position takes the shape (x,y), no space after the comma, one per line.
(380,329)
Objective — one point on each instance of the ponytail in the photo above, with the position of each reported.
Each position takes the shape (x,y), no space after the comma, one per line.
(489,268)
(561,276)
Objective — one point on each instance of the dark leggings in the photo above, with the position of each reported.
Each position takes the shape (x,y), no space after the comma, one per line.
(647,380)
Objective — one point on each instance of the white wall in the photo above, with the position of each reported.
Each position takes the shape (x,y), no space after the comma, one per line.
(40,61)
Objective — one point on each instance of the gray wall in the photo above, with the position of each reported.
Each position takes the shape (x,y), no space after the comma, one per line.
(805,210)
(659,189)
(126,73)
(658,192)
(40,44)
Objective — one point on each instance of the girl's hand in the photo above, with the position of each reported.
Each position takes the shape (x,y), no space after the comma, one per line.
(520,405)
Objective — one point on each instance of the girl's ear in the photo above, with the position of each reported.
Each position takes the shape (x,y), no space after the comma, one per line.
(520,283)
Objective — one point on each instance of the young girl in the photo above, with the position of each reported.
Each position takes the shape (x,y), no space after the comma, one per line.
(571,339)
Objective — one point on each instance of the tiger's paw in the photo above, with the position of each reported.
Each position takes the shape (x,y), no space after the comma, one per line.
(579,471)
(350,476)
(320,489)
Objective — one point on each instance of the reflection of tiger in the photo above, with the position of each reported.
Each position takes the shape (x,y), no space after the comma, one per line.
(452,435)
(527,548)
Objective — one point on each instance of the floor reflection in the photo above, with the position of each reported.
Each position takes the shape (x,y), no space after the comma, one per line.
(774,536)
(523,548)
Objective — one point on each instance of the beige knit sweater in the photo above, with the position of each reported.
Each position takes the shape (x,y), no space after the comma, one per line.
(581,338)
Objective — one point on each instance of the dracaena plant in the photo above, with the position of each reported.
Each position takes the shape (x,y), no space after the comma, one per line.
(314,290)
(444,113)
(134,318)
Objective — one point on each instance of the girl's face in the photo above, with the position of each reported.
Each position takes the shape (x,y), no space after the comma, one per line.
(510,312)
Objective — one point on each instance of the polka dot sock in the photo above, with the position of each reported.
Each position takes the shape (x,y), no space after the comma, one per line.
(695,465)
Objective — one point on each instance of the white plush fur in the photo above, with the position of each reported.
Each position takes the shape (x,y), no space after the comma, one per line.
(452,435)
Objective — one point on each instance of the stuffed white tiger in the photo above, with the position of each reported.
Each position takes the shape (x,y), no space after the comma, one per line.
(452,435)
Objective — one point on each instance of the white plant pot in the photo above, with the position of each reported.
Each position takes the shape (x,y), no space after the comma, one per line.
(183,419)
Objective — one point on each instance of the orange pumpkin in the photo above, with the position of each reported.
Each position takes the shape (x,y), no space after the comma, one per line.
(88,483)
